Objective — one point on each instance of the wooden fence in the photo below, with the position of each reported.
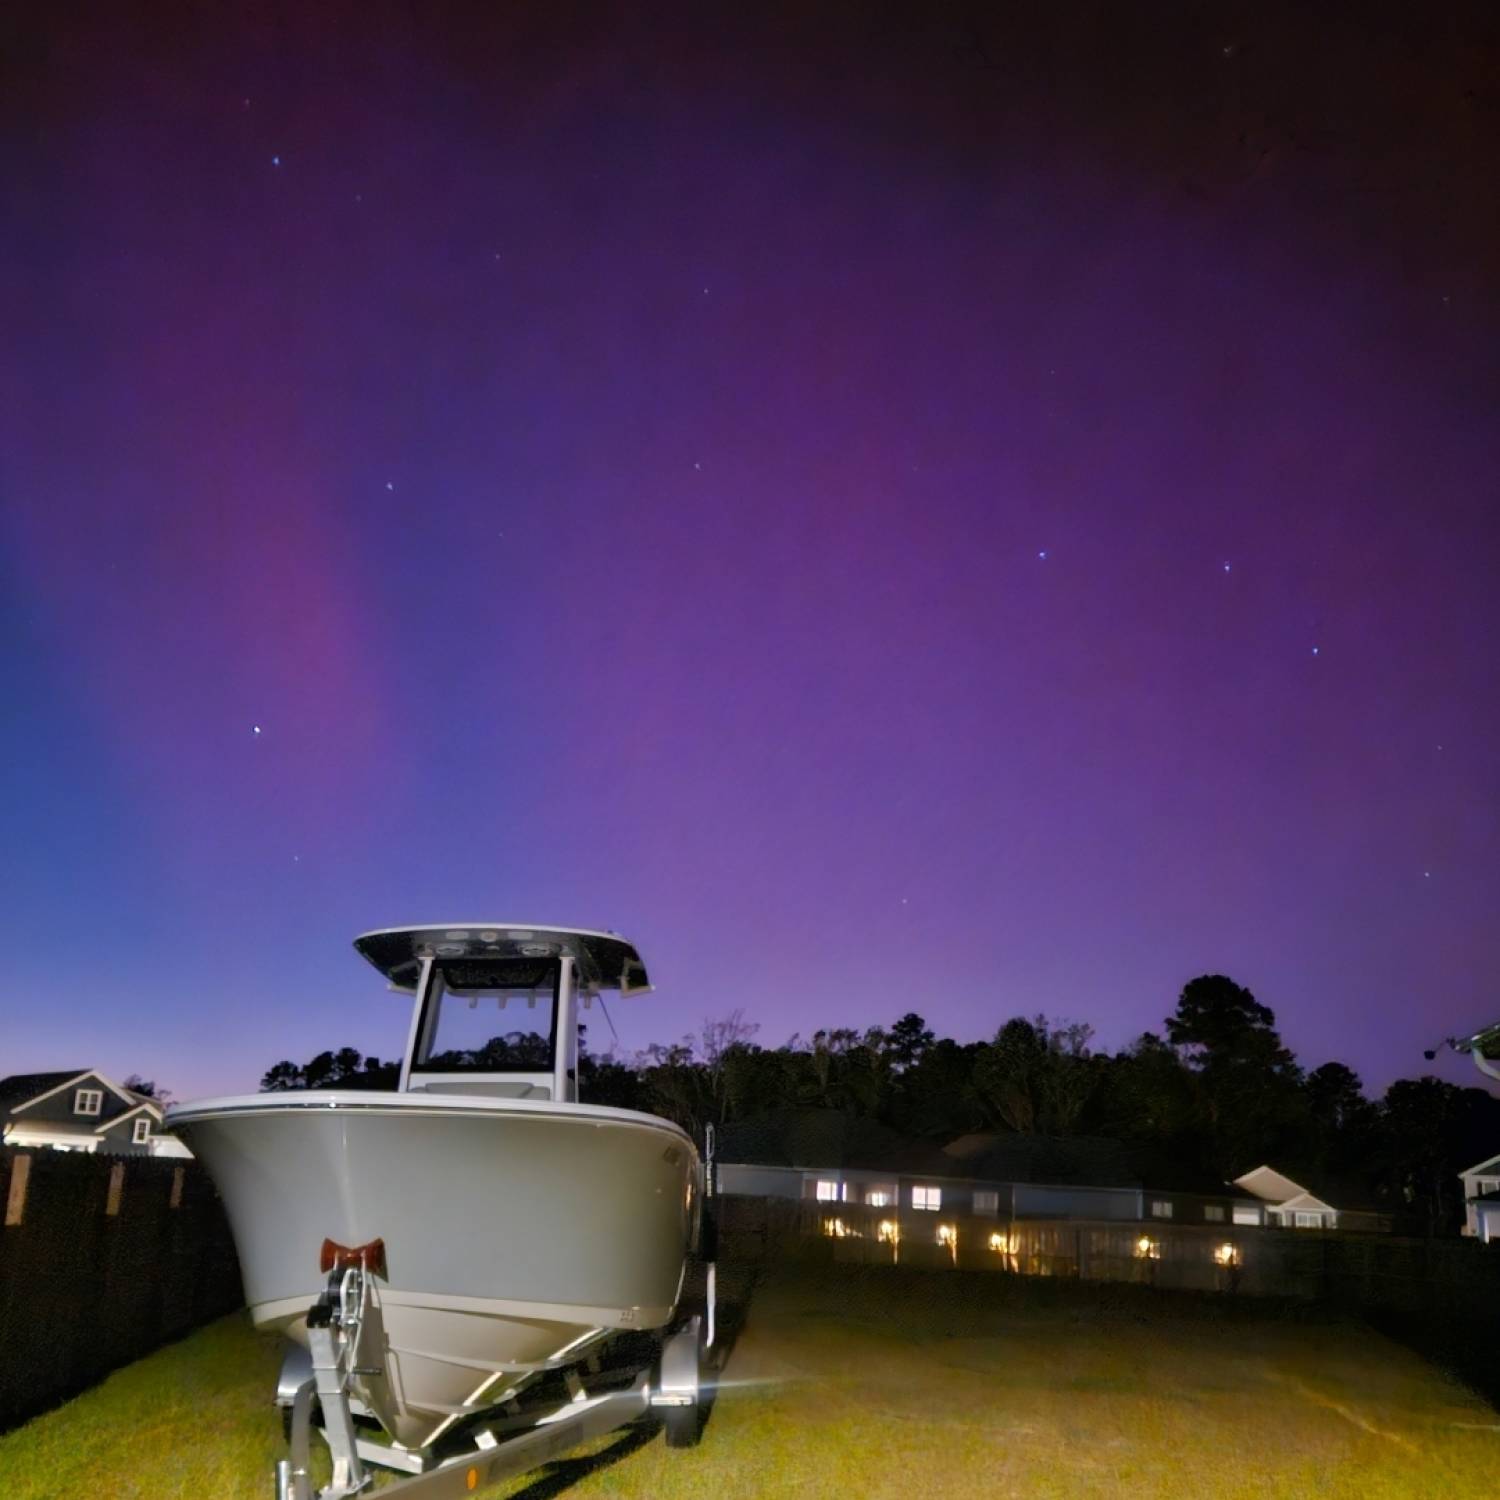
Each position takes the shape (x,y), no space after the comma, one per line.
(1354,1271)
(102,1259)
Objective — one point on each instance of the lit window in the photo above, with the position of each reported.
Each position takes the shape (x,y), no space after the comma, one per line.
(1213,1213)
(880,1197)
(142,1132)
(1309,1221)
(929,1198)
(88,1101)
(986,1201)
(1246,1214)
(1161,1208)
(828,1192)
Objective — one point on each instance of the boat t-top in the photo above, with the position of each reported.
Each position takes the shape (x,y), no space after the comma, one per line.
(478,1239)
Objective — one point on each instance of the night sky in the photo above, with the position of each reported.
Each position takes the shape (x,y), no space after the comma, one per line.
(983,516)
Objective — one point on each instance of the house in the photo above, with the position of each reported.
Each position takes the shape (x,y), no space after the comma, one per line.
(832,1157)
(1045,1177)
(836,1158)
(1293,1205)
(1482,1200)
(82,1110)
(1091,1177)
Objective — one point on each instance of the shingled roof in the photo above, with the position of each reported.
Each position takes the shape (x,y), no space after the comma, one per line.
(827,1138)
(20,1087)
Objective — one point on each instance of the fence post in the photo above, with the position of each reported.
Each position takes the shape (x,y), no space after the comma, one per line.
(15,1199)
(116,1190)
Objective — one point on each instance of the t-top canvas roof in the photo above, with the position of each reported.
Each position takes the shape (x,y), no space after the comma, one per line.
(605,960)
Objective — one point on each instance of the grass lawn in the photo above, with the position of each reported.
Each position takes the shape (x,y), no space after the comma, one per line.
(873,1383)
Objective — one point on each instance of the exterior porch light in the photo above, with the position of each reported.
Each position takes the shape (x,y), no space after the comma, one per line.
(1147,1249)
(1227,1254)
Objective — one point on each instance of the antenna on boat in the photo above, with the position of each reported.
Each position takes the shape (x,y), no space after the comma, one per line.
(602,1006)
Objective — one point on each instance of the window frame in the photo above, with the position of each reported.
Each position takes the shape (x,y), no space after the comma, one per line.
(140,1131)
(987,1202)
(1161,1208)
(926,1191)
(80,1108)
(437,991)
(1213,1213)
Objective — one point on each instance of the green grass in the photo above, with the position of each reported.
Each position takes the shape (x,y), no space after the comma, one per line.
(877,1384)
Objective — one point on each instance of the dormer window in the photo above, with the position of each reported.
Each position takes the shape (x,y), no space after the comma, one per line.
(88,1101)
(141,1132)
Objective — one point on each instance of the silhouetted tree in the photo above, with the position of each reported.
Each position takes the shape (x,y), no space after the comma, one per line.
(1250,1105)
(147,1089)
(344,1069)
(907,1041)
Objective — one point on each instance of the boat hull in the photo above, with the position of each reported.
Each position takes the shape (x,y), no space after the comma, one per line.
(514,1230)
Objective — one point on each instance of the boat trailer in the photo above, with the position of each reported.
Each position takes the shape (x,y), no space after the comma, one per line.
(500,1444)
(344,1337)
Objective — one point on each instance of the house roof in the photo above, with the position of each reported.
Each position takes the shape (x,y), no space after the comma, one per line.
(1312,1190)
(1063,1161)
(1480,1166)
(18,1088)
(149,1105)
(1083,1161)
(827,1138)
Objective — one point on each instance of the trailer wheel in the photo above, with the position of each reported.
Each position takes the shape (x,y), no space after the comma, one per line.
(679,1385)
(681,1426)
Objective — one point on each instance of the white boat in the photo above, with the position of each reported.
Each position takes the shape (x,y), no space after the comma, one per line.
(501,1227)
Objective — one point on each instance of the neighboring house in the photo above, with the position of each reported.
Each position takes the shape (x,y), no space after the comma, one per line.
(1092,1177)
(82,1110)
(1482,1200)
(1322,1204)
(835,1158)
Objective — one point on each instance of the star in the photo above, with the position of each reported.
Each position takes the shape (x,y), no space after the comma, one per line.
(389,485)
(275,161)
(255,729)
(1042,555)
(1315,650)
(1226,567)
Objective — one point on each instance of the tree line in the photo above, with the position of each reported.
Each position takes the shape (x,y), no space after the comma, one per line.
(1216,1092)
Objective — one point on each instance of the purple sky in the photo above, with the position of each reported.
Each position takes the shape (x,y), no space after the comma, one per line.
(887,516)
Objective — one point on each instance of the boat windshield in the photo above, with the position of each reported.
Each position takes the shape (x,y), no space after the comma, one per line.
(496,1017)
